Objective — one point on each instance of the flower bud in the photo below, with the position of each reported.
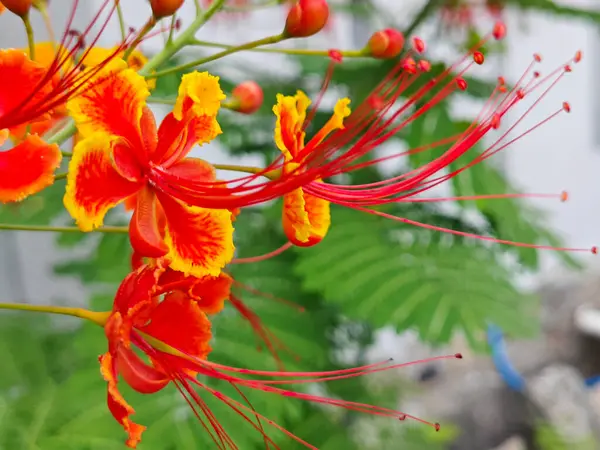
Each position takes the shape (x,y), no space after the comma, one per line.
(18,7)
(385,44)
(306,17)
(248,97)
(165,8)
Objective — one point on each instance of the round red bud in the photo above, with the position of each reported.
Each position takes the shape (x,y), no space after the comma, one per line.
(306,17)
(385,44)
(165,8)
(18,7)
(248,96)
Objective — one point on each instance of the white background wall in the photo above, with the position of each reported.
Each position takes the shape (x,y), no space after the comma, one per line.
(562,155)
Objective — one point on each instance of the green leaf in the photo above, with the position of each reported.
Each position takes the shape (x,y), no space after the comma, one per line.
(401,276)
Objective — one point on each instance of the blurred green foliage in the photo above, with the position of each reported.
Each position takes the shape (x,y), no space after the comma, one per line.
(369,273)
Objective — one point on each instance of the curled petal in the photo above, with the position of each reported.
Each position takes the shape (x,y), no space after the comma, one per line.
(177,137)
(135,297)
(199,95)
(180,323)
(142,377)
(93,184)
(336,122)
(291,113)
(147,225)
(120,409)
(200,240)
(113,103)
(27,168)
(306,218)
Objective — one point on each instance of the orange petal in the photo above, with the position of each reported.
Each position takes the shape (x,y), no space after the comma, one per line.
(179,322)
(27,168)
(145,233)
(24,85)
(200,240)
(211,292)
(93,184)
(306,218)
(176,138)
(120,409)
(113,104)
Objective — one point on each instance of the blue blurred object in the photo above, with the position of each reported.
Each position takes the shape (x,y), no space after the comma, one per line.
(509,374)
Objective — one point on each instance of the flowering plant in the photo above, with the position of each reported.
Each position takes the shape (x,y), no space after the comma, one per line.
(201,265)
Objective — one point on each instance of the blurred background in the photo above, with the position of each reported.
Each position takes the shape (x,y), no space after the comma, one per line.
(525,320)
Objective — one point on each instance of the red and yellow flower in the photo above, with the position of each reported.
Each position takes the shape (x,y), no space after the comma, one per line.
(123,154)
(28,167)
(164,314)
(178,319)
(306,218)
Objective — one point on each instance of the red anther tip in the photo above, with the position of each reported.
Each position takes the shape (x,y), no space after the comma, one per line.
(177,24)
(536,74)
(478,58)
(418,45)
(458,356)
(502,89)
(335,55)
(437,426)
(424,66)
(520,93)
(566,107)
(568,68)
(537,57)
(499,31)
(410,65)
(501,80)
(131,30)
(401,416)
(578,56)
(462,84)
(375,102)
(594,250)
(564,196)
(495,122)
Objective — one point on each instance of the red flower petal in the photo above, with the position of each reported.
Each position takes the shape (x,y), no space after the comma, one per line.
(180,323)
(211,292)
(139,375)
(145,230)
(24,84)
(200,240)
(93,184)
(193,169)
(176,138)
(27,168)
(120,409)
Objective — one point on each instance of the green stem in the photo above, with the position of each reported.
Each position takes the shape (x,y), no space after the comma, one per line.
(427,9)
(121,20)
(60,176)
(66,154)
(8,226)
(272,174)
(145,30)
(182,40)
(172,29)
(30,37)
(285,51)
(247,46)
(99,318)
